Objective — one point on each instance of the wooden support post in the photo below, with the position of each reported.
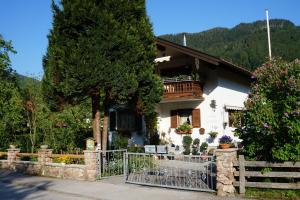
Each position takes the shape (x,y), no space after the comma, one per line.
(242,173)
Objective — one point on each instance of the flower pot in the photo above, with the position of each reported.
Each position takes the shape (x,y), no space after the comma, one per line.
(201,131)
(44,146)
(225,146)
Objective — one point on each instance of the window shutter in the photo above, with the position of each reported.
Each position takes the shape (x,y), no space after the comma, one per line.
(196,120)
(174,118)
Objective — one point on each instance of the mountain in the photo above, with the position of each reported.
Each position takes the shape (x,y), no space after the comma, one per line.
(246,44)
(24,80)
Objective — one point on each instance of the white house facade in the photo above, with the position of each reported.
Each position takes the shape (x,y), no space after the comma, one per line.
(199,89)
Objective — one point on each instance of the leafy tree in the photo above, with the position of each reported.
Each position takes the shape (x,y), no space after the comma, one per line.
(101,49)
(271,124)
(11,107)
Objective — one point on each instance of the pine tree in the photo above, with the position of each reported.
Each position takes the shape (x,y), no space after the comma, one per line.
(101,49)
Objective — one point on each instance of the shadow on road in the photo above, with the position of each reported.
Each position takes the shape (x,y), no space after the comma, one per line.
(14,187)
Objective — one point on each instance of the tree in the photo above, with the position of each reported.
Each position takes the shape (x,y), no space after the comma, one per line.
(100,49)
(11,108)
(271,124)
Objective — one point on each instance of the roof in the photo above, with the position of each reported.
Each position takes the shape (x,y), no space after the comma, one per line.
(206,57)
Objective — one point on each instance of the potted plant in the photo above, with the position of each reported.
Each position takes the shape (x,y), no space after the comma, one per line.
(186,142)
(203,147)
(213,134)
(225,142)
(185,128)
(195,147)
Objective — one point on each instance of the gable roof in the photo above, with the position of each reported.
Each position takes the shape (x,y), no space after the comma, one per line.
(204,56)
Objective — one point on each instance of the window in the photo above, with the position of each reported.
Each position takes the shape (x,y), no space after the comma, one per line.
(191,116)
(234,118)
(184,116)
(124,120)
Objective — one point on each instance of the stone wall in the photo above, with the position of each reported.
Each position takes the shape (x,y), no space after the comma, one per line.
(45,167)
(225,171)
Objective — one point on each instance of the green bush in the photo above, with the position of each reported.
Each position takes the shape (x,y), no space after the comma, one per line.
(120,141)
(187,141)
(136,149)
(195,148)
(271,123)
(203,146)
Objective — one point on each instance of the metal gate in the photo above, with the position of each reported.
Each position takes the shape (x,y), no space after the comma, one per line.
(182,172)
(111,163)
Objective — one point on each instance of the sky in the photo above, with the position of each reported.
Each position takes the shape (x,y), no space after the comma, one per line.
(27,22)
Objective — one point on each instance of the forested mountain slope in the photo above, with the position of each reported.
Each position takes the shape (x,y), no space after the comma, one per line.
(246,44)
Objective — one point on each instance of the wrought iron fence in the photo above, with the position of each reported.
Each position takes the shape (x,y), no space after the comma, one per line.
(111,162)
(181,172)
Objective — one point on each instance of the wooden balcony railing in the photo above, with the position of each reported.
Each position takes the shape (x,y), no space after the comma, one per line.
(182,90)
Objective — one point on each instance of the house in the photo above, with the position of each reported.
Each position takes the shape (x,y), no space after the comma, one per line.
(199,89)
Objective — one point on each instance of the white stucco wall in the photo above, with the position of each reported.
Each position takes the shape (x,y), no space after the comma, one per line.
(224,90)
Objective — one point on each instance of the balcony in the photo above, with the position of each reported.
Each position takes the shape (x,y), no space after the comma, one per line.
(182,90)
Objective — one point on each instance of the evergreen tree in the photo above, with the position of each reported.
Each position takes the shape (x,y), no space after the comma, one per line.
(101,49)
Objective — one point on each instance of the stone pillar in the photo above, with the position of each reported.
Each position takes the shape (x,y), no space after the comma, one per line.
(44,155)
(225,171)
(90,161)
(12,155)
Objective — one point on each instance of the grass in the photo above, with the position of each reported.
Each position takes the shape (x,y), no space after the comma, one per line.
(273,194)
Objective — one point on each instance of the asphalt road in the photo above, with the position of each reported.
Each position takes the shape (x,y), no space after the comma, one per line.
(15,186)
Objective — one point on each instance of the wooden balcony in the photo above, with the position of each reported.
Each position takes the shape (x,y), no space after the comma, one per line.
(182,90)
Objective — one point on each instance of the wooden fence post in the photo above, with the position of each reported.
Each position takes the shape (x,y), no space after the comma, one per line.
(242,174)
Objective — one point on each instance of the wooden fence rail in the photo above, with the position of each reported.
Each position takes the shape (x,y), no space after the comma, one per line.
(242,174)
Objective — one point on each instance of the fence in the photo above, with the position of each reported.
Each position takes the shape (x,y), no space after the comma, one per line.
(163,170)
(111,163)
(43,164)
(288,171)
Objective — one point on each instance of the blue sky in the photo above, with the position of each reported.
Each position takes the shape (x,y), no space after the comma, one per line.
(27,22)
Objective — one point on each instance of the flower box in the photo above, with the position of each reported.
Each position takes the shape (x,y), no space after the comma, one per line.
(183,131)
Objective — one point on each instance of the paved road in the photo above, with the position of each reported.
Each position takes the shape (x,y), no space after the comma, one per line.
(14,186)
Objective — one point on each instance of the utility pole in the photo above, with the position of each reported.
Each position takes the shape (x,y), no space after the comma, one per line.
(269,37)
(184,40)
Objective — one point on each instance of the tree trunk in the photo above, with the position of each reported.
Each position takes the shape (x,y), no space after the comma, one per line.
(96,117)
(105,124)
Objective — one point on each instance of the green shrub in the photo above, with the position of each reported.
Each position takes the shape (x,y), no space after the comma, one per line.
(203,146)
(187,141)
(120,141)
(136,149)
(195,147)
(271,123)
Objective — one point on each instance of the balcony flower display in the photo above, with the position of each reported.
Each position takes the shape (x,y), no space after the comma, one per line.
(185,128)
(225,142)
